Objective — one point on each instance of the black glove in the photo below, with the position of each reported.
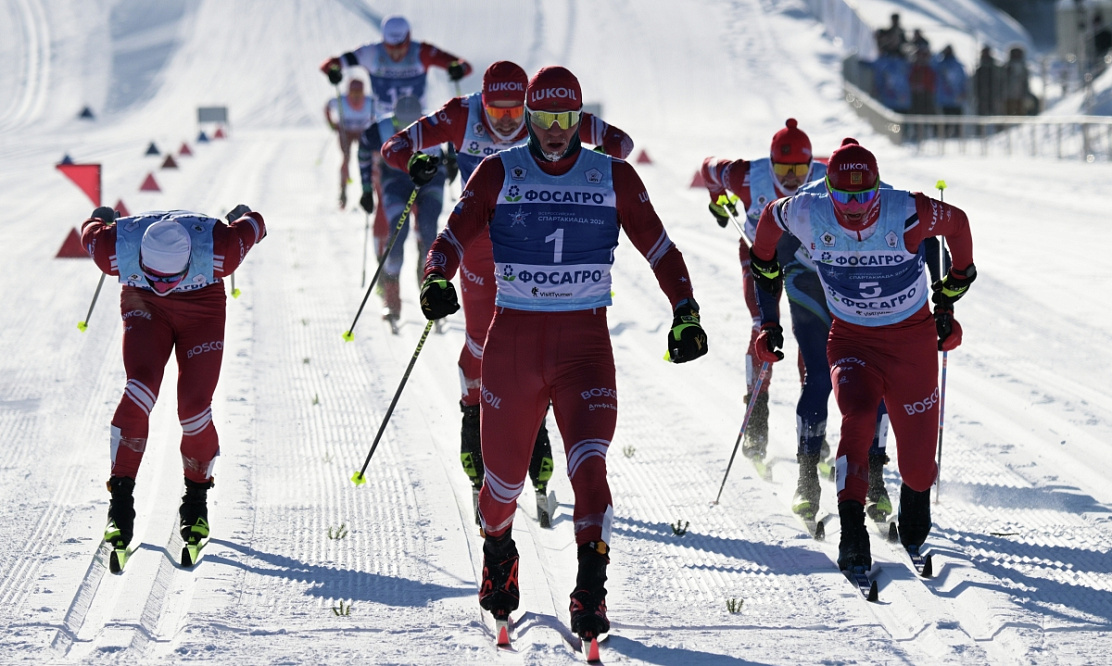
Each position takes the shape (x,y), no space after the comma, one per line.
(367,201)
(769,343)
(237,212)
(438,297)
(422,168)
(335,76)
(766,274)
(687,340)
(720,215)
(451,164)
(455,71)
(952,287)
(105,213)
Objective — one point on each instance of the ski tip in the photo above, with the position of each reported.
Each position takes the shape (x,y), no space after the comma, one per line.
(928,566)
(820,531)
(503,627)
(893,533)
(873,596)
(116,560)
(590,650)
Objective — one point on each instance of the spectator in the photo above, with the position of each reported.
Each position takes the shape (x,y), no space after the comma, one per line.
(988,85)
(1016,89)
(1102,38)
(890,77)
(921,80)
(891,40)
(918,42)
(950,86)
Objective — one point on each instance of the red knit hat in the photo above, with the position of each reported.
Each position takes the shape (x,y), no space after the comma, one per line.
(554,89)
(790,145)
(852,168)
(504,81)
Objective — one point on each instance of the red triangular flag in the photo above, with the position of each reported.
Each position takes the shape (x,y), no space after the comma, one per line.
(184,150)
(71,247)
(121,208)
(169,163)
(149,185)
(219,133)
(698,181)
(85,176)
(644,158)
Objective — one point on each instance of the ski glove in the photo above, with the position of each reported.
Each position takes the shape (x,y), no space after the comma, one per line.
(952,287)
(237,212)
(769,343)
(367,201)
(687,340)
(723,208)
(949,330)
(331,69)
(455,71)
(766,274)
(451,164)
(438,297)
(422,168)
(105,213)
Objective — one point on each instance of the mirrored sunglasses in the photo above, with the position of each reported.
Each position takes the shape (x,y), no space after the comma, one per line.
(163,283)
(499,112)
(845,196)
(546,119)
(783,169)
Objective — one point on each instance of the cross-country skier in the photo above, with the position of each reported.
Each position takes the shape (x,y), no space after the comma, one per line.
(353,110)
(171,265)
(396,190)
(398,66)
(789,167)
(479,125)
(867,245)
(553,211)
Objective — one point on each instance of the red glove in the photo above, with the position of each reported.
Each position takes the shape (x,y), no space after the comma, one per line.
(769,342)
(949,330)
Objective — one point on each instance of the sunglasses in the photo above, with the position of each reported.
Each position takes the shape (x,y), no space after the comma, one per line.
(845,197)
(783,169)
(499,112)
(163,283)
(546,119)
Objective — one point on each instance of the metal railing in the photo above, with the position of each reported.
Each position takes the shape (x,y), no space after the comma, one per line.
(1088,138)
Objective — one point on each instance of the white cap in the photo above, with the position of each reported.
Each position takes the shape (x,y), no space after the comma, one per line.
(395,30)
(165,247)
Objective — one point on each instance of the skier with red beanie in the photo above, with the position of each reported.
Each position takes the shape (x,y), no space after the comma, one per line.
(867,244)
(479,125)
(553,211)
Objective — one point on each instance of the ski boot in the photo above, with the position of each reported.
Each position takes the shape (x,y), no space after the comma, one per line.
(807,491)
(853,546)
(392,301)
(756,431)
(914,517)
(194,520)
(471,452)
(540,471)
(121,521)
(499,593)
(588,601)
(878,506)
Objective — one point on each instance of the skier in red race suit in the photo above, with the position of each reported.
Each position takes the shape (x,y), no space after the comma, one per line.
(554,211)
(867,244)
(479,125)
(171,265)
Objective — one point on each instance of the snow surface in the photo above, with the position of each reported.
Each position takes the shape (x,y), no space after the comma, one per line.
(1022,529)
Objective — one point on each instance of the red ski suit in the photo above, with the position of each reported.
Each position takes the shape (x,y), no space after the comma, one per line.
(189,323)
(449,125)
(897,362)
(533,357)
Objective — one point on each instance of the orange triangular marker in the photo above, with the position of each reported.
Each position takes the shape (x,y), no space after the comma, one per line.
(121,208)
(85,176)
(71,247)
(184,150)
(169,163)
(149,185)
(698,181)
(644,158)
(219,133)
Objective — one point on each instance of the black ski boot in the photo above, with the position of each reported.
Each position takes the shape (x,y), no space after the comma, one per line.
(499,593)
(588,601)
(853,547)
(194,511)
(914,516)
(471,445)
(541,464)
(807,491)
(756,431)
(121,512)
(878,506)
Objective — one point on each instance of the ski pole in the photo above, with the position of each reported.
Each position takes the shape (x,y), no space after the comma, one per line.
(941,185)
(744,424)
(348,334)
(358,478)
(83,325)
(366,234)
